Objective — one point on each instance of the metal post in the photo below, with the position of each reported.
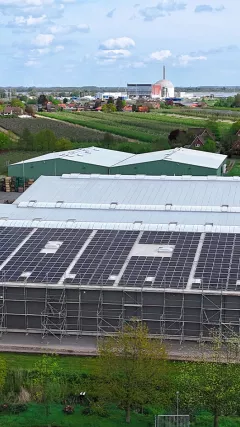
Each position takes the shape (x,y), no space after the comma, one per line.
(177,406)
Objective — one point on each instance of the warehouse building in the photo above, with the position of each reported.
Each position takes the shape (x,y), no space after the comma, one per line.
(178,161)
(82,255)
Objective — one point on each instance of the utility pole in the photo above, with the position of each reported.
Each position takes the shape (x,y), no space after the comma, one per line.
(177,407)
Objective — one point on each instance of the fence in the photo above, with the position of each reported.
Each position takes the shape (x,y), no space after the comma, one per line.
(172,421)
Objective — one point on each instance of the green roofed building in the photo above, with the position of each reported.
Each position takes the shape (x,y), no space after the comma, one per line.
(94,160)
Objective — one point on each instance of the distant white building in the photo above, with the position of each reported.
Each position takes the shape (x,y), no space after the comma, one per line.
(115,95)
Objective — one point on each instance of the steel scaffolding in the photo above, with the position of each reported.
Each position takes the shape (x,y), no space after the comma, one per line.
(54,315)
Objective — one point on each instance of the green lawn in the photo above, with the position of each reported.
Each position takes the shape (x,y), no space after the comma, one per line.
(14,157)
(67,363)
(35,417)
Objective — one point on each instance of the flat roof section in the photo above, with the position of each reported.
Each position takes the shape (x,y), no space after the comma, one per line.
(135,192)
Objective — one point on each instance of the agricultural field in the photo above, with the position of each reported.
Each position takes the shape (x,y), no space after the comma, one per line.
(150,127)
(61,130)
(207,113)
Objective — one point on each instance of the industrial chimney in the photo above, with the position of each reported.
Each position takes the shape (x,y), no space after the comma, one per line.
(164,72)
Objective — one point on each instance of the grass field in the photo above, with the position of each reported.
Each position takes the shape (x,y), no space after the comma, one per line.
(14,157)
(68,363)
(35,417)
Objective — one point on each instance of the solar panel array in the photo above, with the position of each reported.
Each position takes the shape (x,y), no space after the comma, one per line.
(166,272)
(106,257)
(219,262)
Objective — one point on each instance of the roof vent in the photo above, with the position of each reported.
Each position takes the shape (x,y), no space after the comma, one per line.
(138,222)
(209,224)
(168,206)
(113,205)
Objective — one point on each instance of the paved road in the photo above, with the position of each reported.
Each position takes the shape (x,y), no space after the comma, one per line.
(8,196)
(82,346)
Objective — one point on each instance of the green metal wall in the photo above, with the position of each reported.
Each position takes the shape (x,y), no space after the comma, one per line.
(163,167)
(34,170)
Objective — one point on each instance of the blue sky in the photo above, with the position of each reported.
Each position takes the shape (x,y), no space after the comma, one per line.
(112,42)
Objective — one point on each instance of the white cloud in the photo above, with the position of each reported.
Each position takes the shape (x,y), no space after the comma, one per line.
(68,29)
(31,63)
(43,40)
(40,51)
(135,65)
(162,9)
(118,43)
(113,54)
(25,3)
(186,59)
(59,48)
(160,55)
(28,21)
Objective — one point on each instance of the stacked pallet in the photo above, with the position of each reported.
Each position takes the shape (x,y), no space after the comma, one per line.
(8,184)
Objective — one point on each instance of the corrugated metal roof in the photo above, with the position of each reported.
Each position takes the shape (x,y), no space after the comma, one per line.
(121,219)
(179,155)
(135,190)
(91,155)
(111,158)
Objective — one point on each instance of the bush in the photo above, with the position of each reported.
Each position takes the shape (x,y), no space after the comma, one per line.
(97,409)
(13,408)
(69,409)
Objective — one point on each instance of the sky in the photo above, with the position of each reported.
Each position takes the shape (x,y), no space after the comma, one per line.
(115,42)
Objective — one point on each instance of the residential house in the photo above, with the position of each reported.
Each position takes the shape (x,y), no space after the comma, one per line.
(9,111)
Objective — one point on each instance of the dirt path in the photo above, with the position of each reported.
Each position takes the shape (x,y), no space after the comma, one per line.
(86,127)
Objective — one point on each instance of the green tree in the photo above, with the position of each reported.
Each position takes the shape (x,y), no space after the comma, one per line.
(15,102)
(65,100)
(120,104)
(45,140)
(108,140)
(109,108)
(5,141)
(110,100)
(46,383)
(27,140)
(209,146)
(29,110)
(234,128)
(213,126)
(42,100)
(236,102)
(213,383)
(63,144)
(131,368)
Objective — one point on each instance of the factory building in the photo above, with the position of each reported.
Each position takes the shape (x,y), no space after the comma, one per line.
(82,255)
(178,161)
(162,89)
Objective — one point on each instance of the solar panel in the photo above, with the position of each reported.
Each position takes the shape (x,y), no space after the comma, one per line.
(120,258)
